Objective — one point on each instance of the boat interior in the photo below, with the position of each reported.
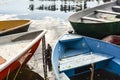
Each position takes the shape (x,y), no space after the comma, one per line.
(19,37)
(105,13)
(79,55)
(13,45)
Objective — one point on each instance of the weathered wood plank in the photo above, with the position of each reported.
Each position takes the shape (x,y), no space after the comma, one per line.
(107,12)
(82,60)
(94,19)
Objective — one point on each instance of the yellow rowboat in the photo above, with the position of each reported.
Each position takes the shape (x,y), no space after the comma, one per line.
(13,26)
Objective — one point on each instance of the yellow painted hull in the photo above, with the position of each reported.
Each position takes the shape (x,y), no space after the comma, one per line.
(13,26)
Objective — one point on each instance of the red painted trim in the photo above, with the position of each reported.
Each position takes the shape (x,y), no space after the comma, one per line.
(20,62)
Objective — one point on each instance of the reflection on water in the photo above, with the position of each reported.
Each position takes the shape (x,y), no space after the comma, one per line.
(31,7)
(38,9)
(65,5)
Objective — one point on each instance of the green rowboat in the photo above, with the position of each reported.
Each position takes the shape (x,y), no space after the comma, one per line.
(97,22)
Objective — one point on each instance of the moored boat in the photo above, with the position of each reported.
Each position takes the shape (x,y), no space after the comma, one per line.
(17,49)
(115,39)
(97,22)
(13,26)
(74,56)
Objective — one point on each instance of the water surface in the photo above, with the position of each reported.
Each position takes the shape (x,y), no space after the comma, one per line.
(39,9)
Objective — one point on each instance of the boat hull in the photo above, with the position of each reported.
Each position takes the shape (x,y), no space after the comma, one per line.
(13,26)
(97,30)
(25,55)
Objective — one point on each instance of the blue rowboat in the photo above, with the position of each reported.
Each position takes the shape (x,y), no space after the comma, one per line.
(75,56)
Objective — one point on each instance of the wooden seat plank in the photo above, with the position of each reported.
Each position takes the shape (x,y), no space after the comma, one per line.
(116,8)
(94,19)
(82,60)
(107,12)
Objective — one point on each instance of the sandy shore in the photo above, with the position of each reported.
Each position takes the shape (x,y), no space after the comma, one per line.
(55,28)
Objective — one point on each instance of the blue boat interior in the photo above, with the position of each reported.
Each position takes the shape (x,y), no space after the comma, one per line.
(74,56)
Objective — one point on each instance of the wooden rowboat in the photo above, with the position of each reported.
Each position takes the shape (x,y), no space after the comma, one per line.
(97,22)
(17,49)
(115,39)
(13,26)
(74,56)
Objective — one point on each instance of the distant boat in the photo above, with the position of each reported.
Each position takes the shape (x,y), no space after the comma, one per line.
(17,49)
(74,56)
(97,22)
(13,26)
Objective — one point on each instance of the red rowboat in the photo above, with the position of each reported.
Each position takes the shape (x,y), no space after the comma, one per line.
(115,39)
(17,49)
